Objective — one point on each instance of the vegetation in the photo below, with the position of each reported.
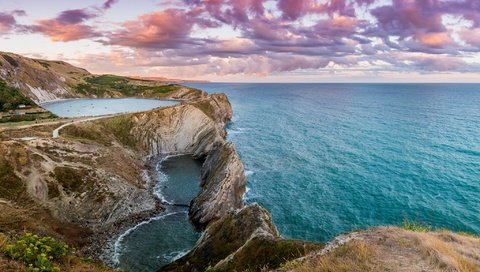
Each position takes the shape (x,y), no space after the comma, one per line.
(10,60)
(415,226)
(11,98)
(102,131)
(110,84)
(121,126)
(37,253)
(206,108)
(263,253)
(353,256)
(10,184)
(27,117)
(91,131)
(71,179)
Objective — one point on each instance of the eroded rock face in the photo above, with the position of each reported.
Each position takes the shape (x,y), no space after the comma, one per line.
(224,237)
(87,184)
(242,240)
(192,128)
(223,186)
(198,127)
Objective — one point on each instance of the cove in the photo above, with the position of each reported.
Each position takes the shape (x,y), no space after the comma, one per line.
(168,236)
(104,106)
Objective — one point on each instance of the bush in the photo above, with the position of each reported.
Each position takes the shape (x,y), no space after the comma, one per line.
(415,226)
(37,253)
(11,97)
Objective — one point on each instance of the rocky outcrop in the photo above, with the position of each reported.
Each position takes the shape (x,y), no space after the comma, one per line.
(86,184)
(239,241)
(191,128)
(223,186)
(182,129)
(197,127)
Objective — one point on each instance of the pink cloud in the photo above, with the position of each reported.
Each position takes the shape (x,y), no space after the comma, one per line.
(293,9)
(471,36)
(157,29)
(58,31)
(8,21)
(435,40)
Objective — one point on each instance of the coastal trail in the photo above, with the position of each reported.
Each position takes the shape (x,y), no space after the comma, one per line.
(56,132)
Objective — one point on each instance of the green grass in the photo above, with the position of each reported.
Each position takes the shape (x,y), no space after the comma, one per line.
(121,126)
(110,84)
(37,253)
(11,97)
(415,226)
(28,117)
(92,132)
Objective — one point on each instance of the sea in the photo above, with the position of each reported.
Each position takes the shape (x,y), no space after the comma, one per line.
(326,159)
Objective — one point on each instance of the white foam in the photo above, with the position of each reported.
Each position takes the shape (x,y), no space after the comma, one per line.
(118,242)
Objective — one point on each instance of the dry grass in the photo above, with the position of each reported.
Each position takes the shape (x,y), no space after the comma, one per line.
(398,249)
(450,254)
(353,256)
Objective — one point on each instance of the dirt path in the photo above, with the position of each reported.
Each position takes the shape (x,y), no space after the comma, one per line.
(56,132)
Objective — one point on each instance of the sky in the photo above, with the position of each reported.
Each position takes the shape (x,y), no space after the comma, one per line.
(253,40)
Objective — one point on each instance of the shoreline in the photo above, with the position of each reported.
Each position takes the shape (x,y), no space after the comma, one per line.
(109,244)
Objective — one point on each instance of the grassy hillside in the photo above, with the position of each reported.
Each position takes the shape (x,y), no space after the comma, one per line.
(111,85)
(11,97)
(44,80)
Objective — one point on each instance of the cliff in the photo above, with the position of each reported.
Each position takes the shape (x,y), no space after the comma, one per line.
(92,181)
(242,240)
(44,81)
(198,128)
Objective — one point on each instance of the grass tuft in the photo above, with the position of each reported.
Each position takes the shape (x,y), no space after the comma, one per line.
(415,226)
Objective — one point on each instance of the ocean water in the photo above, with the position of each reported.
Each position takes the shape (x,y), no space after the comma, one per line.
(169,235)
(330,158)
(103,106)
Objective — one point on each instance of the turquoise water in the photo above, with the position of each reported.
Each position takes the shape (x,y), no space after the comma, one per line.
(103,106)
(329,158)
(160,240)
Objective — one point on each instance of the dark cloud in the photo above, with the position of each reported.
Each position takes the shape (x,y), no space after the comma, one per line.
(8,21)
(75,16)
(108,4)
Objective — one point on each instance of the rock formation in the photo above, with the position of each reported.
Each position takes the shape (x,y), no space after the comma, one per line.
(241,240)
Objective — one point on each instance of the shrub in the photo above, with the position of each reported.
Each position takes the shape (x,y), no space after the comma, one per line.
(415,226)
(11,97)
(37,253)
(71,179)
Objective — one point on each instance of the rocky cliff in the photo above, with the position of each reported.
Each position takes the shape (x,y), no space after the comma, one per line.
(44,81)
(198,128)
(241,240)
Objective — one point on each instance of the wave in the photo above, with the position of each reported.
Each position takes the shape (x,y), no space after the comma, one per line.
(118,242)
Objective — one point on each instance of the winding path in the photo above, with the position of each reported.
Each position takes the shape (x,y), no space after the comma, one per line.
(56,132)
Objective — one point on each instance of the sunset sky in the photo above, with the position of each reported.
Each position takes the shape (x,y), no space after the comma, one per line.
(253,40)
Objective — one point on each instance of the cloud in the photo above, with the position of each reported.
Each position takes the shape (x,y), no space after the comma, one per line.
(435,40)
(471,36)
(108,4)
(8,21)
(162,29)
(58,31)
(279,36)
(70,25)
